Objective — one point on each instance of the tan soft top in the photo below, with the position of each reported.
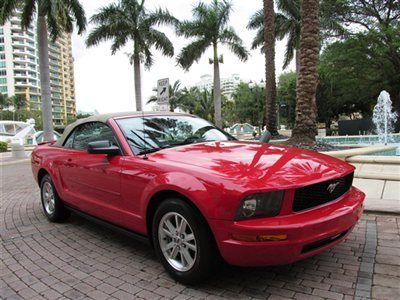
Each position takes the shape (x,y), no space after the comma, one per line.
(105,117)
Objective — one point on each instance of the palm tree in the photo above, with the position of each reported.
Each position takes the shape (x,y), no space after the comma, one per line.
(269,49)
(175,96)
(205,106)
(209,28)
(190,99)
(287,24)
(305,127)
(55,17)
(130,20)
(4,103)
(18,101)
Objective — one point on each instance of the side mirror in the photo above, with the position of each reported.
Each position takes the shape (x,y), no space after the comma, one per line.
(102,147)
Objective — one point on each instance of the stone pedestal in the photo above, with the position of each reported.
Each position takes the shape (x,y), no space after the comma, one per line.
(17,150)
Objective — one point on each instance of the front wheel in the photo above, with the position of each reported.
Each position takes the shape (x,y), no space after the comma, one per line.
(53,207)
(183,242)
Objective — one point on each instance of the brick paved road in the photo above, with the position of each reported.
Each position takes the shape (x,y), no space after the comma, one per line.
(81,260)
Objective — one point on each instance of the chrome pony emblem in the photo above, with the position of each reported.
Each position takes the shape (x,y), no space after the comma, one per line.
(332,187)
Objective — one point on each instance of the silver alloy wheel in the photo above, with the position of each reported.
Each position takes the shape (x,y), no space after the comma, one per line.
(48,198)
(177,241)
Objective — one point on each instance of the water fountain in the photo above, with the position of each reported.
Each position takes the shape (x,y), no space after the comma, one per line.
(384,118)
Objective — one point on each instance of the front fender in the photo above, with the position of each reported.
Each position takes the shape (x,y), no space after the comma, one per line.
(41,161)
(189,186)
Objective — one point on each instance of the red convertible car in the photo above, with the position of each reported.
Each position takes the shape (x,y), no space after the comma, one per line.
(195,192)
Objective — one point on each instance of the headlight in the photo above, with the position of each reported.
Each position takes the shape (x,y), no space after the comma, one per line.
(260,205)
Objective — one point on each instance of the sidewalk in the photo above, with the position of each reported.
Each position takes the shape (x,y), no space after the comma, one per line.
(385,170)
(381,195)
(7,159)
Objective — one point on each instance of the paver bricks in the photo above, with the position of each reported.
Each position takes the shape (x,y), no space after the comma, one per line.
(79,259)
(385,293)
(328,294)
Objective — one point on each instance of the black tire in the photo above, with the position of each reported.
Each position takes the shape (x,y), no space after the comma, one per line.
(207,257)
(56,212)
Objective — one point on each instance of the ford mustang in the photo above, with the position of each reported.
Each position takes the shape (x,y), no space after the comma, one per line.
(196,193)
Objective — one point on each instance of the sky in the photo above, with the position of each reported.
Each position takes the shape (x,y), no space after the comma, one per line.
(105,83)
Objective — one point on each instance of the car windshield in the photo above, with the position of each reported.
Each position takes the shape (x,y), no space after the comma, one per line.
(153,133)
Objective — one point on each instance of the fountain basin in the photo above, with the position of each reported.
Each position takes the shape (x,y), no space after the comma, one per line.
(371,166)
(365,141)
(363,150)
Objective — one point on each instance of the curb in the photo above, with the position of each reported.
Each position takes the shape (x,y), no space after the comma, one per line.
(377,176)
(381,212)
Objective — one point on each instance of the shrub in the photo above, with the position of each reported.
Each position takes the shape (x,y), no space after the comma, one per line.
(3,146)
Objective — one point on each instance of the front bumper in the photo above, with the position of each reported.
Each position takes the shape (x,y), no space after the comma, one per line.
(308,233)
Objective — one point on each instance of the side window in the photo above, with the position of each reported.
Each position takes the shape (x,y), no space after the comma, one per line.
(85,134)
(90,132)
(69,141)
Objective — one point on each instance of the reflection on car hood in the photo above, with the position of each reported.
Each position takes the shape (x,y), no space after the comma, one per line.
(255,165)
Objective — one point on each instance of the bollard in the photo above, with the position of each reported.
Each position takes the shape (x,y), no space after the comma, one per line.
(17,150)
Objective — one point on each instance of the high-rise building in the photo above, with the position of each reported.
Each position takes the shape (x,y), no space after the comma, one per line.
(228,84)
(20,73)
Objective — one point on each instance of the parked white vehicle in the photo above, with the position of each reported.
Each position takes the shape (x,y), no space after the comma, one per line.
(38,138)
(13,131)
(22,133)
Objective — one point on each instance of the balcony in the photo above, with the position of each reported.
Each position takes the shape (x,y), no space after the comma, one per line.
(31,53)
(21,59)
(20,75)
(20,67)
(21,82)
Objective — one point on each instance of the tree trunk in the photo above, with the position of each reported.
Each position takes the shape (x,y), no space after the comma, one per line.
(47,117)
(270,84)
(217,90)
(306,110)
(171,101)
(297,58)
(138,84)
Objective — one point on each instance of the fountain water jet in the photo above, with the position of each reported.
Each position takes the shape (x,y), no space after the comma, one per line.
(384,118)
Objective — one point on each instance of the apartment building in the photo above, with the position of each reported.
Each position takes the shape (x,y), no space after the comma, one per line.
(228,84)
(20,74)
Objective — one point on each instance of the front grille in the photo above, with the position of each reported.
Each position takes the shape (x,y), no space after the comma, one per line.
(321,193)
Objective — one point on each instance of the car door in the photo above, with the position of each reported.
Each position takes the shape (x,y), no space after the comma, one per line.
(92,182)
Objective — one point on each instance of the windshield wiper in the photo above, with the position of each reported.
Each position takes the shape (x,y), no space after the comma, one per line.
(152,150)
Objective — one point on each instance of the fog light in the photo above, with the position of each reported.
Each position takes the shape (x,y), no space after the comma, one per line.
(272,237)
(259,238)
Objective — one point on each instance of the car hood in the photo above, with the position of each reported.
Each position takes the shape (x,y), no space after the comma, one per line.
(254,165)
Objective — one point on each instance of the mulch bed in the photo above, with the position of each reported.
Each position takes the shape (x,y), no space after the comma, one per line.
(319,147)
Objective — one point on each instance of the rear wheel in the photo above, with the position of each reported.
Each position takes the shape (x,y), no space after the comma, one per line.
(183,242)
(53,207)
